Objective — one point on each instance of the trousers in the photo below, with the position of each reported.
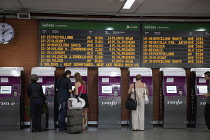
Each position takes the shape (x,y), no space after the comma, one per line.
(36,113)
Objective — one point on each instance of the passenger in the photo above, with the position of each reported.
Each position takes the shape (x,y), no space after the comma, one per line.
(138,114)
(64,89)
(80,87)
(37,98)
(207,107)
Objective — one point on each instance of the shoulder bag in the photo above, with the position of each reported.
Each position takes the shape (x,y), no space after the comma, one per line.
(131,104)
(76,102)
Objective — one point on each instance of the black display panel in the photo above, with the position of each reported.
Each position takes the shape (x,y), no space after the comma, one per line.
(89,44)
(185,45)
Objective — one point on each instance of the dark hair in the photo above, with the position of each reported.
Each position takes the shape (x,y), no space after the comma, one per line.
(78,78)
(207,73)
(34,78)
(66,73)
(138,77)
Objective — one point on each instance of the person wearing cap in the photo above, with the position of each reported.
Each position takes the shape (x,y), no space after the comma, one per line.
(64,89)
(207,107)
(37,98)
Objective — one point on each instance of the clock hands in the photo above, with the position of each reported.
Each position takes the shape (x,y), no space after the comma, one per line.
(6,30)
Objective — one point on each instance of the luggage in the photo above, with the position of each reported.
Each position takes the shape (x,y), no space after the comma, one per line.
(73,112)
(74,129)
(76,103)
(74,121)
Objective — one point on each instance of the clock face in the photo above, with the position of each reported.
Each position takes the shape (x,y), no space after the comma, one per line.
(6,33)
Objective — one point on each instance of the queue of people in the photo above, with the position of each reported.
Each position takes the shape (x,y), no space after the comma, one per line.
(137,91)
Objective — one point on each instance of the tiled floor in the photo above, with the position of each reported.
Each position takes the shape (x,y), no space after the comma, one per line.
(93,133)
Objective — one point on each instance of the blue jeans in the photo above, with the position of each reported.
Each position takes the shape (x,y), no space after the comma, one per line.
(62,111)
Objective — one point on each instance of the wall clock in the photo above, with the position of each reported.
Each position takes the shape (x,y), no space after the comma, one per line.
(6,33)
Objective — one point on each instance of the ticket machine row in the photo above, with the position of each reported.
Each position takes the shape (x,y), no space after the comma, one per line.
(173,96)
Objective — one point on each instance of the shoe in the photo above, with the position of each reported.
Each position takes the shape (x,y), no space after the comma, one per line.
(34,131)
(62,130)
(207,130)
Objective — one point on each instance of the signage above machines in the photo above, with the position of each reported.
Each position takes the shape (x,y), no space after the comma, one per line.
(10,71)
(173,71)
(200,71)
(142,71)
(43,71)
(82,71)
(109,72)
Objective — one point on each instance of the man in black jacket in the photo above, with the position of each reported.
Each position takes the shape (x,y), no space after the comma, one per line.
(37,98)
(64,88)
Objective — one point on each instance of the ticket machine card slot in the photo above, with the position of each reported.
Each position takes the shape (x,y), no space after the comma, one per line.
(115,93)
(49,92)
(15,93)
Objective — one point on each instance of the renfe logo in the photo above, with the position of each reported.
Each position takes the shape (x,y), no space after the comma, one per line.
(131,27)
(4,103)
(149,27)
(202,103)
(175,102)
(112,103)
(7,103)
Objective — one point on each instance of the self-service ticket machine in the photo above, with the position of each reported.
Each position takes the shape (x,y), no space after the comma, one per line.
(11,98)
(109,98)
(199,101)
(47,80)
(146,74)
(83,72)
(175,98)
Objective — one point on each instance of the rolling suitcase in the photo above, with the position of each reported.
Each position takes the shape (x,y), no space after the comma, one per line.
(74,121)
(74,129)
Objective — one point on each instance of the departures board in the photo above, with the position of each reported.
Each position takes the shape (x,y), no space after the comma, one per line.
(185,45)
(89,44)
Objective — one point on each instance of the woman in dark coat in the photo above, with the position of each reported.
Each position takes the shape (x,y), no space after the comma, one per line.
(37,98)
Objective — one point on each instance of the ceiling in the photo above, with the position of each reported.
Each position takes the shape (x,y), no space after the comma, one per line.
(197,8)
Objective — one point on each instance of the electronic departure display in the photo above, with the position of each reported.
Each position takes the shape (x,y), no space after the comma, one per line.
(89,44)
(175,45)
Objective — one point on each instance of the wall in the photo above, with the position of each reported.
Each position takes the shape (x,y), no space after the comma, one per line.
(23,52)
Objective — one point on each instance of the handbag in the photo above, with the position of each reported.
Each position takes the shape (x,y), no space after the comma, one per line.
(76,102)
(44,108)
(131,104)
(146,98)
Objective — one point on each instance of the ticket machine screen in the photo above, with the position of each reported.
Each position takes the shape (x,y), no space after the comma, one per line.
(44,89)
(171,89)
(202,90)
(106,90)
(5,89)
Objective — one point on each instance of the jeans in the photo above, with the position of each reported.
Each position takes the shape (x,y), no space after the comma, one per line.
(62,111)
(36,113)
